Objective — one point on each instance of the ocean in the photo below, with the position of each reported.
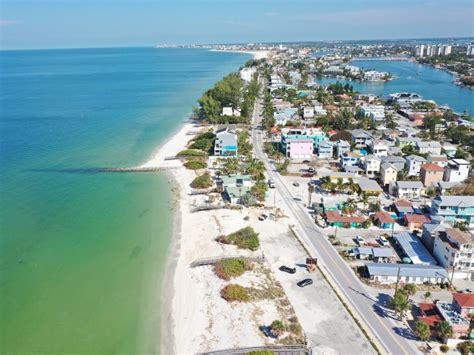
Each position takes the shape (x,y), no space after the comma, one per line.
(431,83)
(82,253)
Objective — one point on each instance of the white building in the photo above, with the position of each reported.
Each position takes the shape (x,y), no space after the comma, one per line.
(429,147)
(308,112)
(413,164)
(229,111)
(247,74)
(319,110)
(454,248)
(408,189)
(375,112)
(372,165)
(379,148)
(470,50)
(457,170)
(420,50)
(373,75)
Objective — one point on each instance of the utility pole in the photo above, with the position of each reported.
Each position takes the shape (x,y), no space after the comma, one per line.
(398,279)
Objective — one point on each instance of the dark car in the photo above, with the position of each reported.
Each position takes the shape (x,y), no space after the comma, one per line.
(287,269)
(305,282)
(307,175)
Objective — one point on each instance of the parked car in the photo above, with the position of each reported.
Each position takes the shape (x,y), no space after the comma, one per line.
(360,240)
(287,269)
(262,217)
(271,184)
(311,170)
(382,240)
(305,282)
(306,161)
(307,175)
(272,216)
(296,184)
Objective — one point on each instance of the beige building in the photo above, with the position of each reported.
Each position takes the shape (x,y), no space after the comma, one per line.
(388,174)
(431,174)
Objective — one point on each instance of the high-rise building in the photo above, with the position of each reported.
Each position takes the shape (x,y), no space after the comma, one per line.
(470,49)
(420,50)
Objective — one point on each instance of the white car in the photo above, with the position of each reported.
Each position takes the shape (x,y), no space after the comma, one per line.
(384,241)
(360,240)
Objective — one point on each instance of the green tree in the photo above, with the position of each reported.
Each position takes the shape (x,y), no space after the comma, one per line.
(422,330)
(365,200)
(400,303)
(256,168)
(444,330)
(410,289)
(258,190)
(277,328)
(231,166)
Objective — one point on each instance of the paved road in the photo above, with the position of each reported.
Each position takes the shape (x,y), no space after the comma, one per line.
(388,332)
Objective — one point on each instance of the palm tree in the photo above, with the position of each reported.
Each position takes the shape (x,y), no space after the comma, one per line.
(365,200)
(444,330)
(422,330)
(350,206)
(399,303)
(340,184)
(256,168)
(310,192)
(325,182)
(350,185)
(410,289)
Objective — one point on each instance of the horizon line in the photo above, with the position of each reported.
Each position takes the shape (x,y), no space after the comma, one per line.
(238,43)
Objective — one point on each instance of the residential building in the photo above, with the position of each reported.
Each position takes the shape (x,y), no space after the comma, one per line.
(316,135)
(354,170)
(450,150)
(369,186)
(247,74)
(414,249)
(373,75)
(319,110)
(429,147)
(299,148)
(361,138)
(371,165)
(430,233)
(383,220)
(431,174)
(454,209)
(408,189)
(377,255)
(326,150)
(432,314)
(457,170)
(406,273)
(236,186)
(335,219)
(342,147)
(349,159)
(455,248)
(404,99)
(396,161)
(440,160)
(229,111)
(413,164)
(403,208)
(226,142)
(388,174)
(415,222)
(375,112)
(308,112)
(464,303)
(379,148)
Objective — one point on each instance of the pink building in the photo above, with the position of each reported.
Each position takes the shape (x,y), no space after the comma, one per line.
(300,148)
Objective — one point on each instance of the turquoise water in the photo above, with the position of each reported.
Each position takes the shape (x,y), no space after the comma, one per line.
(431,83)
(82,253)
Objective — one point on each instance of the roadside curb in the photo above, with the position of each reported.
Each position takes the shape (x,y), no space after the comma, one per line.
(335,288)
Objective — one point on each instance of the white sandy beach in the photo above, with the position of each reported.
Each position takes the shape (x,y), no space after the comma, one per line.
(256,54)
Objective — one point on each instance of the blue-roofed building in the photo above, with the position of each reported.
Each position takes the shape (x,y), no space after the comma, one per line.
(316,135)
(413,248)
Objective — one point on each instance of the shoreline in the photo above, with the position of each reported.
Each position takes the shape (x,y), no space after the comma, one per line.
(255,54)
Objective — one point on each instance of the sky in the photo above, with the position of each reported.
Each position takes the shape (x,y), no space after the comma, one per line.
(103,23)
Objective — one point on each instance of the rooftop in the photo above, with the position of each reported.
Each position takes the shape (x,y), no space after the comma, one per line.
(407,270)
(417,218)
(335,216)
(409,184)
(384,217)
(431,166)
(458,201)
(414,249)
(464,299)
(459,236)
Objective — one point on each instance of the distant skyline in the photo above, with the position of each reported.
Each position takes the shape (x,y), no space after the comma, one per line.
(28,24)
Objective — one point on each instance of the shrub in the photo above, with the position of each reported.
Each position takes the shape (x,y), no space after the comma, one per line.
(231,267)
(195,164)
(444,348)
(235,293)
(245,238)
(277,327)
(202,182)
(466,347)
(203,142)
(261,352)
(191,153)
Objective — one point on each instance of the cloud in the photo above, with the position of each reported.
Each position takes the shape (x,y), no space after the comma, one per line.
(4,23)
